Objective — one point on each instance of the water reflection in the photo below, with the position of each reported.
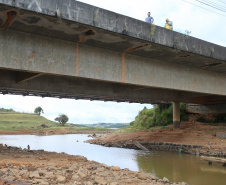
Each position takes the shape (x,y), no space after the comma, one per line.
(181,167)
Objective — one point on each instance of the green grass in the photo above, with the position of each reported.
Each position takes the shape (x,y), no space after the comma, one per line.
(134,129)
(12,121)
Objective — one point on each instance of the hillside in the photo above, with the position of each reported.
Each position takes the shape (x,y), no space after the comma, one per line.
(22,123)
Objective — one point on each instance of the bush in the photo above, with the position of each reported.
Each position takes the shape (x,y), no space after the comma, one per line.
(159,115)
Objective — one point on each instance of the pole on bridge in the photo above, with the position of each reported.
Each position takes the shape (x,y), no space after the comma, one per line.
(176,115)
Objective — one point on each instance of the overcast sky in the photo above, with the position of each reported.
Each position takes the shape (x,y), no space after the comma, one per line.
(203,24)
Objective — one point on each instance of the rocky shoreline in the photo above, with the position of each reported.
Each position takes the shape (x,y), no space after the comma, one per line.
(169,147)
(22,166)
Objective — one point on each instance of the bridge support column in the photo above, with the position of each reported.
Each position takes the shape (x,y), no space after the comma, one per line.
(176,115)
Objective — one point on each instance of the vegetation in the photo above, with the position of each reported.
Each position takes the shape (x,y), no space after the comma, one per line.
(160,115)
(2,110)
(22,121)
(107,125)
(62,119)
(38,110)
(14,121)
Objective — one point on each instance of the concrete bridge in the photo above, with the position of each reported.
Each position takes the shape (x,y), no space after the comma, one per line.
(68,49)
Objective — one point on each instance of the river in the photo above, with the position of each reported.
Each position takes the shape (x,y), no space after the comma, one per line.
(176,167)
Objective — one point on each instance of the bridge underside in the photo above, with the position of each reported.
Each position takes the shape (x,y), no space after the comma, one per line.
(59,86)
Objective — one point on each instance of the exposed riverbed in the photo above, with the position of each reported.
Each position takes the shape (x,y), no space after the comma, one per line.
(175,166)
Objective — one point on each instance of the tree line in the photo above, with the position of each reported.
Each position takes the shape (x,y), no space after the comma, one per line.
(62,118)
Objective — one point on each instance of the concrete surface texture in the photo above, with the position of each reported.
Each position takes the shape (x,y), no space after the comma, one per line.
(71,49)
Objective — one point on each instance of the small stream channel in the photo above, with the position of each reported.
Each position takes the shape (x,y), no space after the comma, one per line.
(175,166)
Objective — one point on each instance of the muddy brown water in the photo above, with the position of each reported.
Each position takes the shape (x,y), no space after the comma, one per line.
(177,167)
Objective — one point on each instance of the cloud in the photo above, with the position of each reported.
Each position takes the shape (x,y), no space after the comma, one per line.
(78,111)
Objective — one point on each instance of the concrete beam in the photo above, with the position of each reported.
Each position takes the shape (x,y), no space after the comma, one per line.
(27,52)
(25,76)
(206,109)
(80,88)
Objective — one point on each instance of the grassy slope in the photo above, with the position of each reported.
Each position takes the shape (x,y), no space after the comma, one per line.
(21,121)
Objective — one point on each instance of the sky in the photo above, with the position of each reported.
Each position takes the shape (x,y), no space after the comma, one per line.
(202,23)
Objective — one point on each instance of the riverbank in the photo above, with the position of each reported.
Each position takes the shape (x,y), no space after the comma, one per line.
(54,132)
(193,138)
(20,166)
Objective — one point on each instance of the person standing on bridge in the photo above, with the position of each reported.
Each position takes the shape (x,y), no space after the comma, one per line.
(168,24)
(149,19)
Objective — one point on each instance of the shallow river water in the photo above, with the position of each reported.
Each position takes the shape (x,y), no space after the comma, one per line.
(176,167)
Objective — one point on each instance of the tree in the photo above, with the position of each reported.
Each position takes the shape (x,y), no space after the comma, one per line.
(62,119)
(38,110)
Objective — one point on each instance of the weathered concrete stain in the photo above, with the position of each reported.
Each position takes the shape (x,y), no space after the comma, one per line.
(123,59)
(10,16)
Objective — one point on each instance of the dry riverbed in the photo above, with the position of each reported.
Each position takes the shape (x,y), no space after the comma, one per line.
(20,166)
(195,137)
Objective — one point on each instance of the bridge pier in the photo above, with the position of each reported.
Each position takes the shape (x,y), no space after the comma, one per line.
(176,115)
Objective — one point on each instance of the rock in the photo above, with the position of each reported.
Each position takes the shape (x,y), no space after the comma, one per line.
(99,180)
(11,178)
(2,173)
(75,177)
(94,167)
(115,168)
(143,176)
(82,173)
(2,182)
(71,169)
(184,183)
(14,171)
(17,177)
(60,179)
(31,168)
(103,174)
(89,183)
(113,183)
(22,172)
(41,181)
(34,174)
(9,165)
(165,179)
(101,169)
(153,177)
(25,176)
(49,175)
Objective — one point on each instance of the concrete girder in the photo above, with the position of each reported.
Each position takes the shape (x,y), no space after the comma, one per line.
(32,53)
(80,88)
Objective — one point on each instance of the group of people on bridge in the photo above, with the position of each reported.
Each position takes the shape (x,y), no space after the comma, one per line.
(168,24)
